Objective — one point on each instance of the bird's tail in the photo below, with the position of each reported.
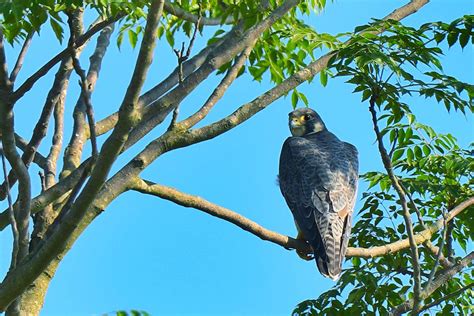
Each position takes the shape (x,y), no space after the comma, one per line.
(328,269)
(329,257)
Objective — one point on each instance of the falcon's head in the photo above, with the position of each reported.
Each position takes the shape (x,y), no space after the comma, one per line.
(305,121)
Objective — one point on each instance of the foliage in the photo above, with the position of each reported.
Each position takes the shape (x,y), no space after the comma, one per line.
(435,172)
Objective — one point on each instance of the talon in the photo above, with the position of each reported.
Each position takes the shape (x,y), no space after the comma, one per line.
(304,255)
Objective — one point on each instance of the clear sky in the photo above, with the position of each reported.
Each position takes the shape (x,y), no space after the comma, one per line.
(148,254)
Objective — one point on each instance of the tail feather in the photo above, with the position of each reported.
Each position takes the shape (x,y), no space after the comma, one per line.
(323,266)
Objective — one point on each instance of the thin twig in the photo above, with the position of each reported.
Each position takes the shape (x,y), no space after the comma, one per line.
(85,92)
(219,91)
(21,57)
(10,213)
(446,297)
(183,55)
(440,251)
(81,40)
(436,251)
(42,181)
(443,277)
(22,143)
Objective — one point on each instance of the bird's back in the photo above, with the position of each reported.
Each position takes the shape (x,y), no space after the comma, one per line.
(318,178)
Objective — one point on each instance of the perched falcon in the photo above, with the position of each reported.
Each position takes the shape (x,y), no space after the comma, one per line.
(318,178)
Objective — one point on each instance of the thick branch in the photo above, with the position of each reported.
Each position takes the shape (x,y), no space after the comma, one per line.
(11,213)
(50,195)
(16,282)
(22,213)
(199,203)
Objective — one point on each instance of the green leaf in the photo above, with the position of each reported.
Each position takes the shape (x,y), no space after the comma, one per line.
(464,39)
(397,154)
(323,77)
(366,94)
(294,99)
(452,38)
(418,153)
(58,30)
(132,37)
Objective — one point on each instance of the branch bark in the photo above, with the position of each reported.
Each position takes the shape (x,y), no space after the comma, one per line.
(263,233)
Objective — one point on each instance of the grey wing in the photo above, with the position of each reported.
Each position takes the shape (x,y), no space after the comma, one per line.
(334,199)
(335,226)
(296,188)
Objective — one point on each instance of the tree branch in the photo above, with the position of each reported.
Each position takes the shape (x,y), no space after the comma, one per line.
(443,277)
(198,203)
(24,189)
(11,213)
(201,204)
(16,282)
(22,143)
(50,195)
(57,91)
(219,91)
(182,57)
(402,197)
(447,297)
(21,57)
(81,40)
(72,156)
(86,96)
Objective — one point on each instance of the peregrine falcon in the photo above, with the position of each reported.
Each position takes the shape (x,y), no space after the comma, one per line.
(318,178)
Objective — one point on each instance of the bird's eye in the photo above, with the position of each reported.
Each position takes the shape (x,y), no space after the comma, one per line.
(307,117)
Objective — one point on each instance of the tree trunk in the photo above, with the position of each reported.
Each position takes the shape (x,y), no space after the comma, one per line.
(31,301)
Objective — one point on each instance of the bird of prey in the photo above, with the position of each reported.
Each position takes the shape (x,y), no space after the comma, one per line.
(318,178)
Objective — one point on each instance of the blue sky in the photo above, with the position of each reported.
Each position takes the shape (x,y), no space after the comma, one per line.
(148,254)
